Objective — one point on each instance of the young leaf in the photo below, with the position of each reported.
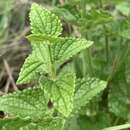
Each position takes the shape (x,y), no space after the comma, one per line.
(86,89)
(51,124)
(44,22)
(13,123)
(61,91)
(29,70)
(28,103)
(68,47)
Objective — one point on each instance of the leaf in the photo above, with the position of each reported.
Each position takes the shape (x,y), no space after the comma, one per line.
(68,47)
(29,70)
(61,92)
(28,103)
(13,123)
(27,124)
(62,48)
(51,124)
(45,124)
(44,21)
(36,63)
(98,17)
(86,89)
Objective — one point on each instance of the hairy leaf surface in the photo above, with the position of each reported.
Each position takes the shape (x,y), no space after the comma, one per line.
(62,48)
(61,91)
(28,103)
(36,63)
(86,89)
(27,124)
(44,21)
(13,123)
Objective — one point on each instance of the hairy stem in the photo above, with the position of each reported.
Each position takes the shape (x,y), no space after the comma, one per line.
(52,65)
(106,44)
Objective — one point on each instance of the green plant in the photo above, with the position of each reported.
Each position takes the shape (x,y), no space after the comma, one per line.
(107,24)
(57,95)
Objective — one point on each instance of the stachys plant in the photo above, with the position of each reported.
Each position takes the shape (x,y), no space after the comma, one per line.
(57,95)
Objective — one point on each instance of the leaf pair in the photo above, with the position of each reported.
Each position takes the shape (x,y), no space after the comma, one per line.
(47,47)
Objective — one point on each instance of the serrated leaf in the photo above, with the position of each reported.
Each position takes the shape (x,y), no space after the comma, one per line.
(29,70)
(68,47)
(28,103)
(119,95)
(36,63)
(13,123)
(45,124)
(86,89)
(62,48)
(44,21)
(61,92)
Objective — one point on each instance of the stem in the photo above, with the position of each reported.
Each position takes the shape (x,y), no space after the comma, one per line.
(101,4)
(52,65)
(88,65)
(120,127)
(90,61)
(106,44)
(107,48)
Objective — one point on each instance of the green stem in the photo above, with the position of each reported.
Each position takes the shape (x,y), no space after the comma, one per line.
(107,47)
(88,64)
(52,65)
(120,127)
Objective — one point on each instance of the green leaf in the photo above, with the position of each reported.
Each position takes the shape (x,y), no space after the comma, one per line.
(119,95)
(44,21)
(29,70)
(36,63)
(28,103)
(45,124)
(27,124)
(13,123)
(51,124)
(61,92)
(68,47)
(62,48)
(86,89)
